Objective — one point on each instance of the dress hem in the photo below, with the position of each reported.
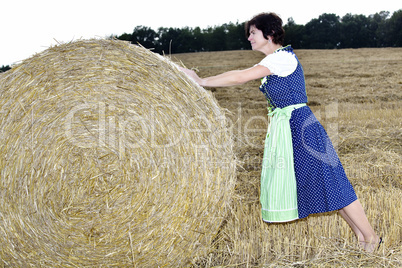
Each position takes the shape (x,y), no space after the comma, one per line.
(280,221)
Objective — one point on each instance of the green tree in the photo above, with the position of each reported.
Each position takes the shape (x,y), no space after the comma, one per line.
(175,40)
(394,26)
(294,34)
(168,40)
(378,28)
(328,31)
(4,68)
(199,40)
(236,38)
(322,33)
(354,31)
(215,38)
(144,36)
(126,37)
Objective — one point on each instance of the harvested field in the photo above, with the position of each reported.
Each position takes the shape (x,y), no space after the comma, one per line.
(356,94)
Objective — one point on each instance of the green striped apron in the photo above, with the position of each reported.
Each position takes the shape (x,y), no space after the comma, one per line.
(278,182)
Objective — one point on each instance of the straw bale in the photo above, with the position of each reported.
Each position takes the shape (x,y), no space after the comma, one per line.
(109,156)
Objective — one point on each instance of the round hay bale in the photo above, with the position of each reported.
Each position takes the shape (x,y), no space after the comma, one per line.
(109,156)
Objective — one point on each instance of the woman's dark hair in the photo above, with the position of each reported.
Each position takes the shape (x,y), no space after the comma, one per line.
(270,24)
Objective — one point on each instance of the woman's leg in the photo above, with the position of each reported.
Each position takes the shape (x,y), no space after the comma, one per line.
(352,225)
(354,215)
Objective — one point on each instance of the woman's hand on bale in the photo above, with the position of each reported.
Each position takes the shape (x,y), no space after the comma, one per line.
(192,74)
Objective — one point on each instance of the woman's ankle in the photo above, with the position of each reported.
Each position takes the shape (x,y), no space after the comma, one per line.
(370,244)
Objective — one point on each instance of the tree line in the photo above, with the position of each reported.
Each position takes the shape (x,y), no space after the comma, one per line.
(328,31)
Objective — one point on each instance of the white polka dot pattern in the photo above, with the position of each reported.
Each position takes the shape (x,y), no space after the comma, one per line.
(322,184)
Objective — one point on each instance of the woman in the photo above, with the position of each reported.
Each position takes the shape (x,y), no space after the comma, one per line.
(301,171)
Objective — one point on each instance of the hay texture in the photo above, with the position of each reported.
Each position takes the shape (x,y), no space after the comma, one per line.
(109,156)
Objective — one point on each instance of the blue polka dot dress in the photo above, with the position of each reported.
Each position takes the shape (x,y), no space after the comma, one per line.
(321,182)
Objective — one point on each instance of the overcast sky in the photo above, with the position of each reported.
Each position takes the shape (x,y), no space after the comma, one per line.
(31,26)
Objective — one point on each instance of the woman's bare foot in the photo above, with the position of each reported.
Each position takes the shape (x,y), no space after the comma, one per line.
(371,245)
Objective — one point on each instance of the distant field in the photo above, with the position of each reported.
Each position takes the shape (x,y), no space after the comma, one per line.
(357,95)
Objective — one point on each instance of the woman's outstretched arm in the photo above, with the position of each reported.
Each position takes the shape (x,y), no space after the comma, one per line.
(230,78)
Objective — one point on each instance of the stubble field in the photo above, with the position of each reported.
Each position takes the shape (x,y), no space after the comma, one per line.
(357,96)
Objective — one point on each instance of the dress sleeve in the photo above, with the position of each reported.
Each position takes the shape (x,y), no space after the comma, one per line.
(281,63)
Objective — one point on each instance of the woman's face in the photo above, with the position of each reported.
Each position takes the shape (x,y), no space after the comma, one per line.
(257,40)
